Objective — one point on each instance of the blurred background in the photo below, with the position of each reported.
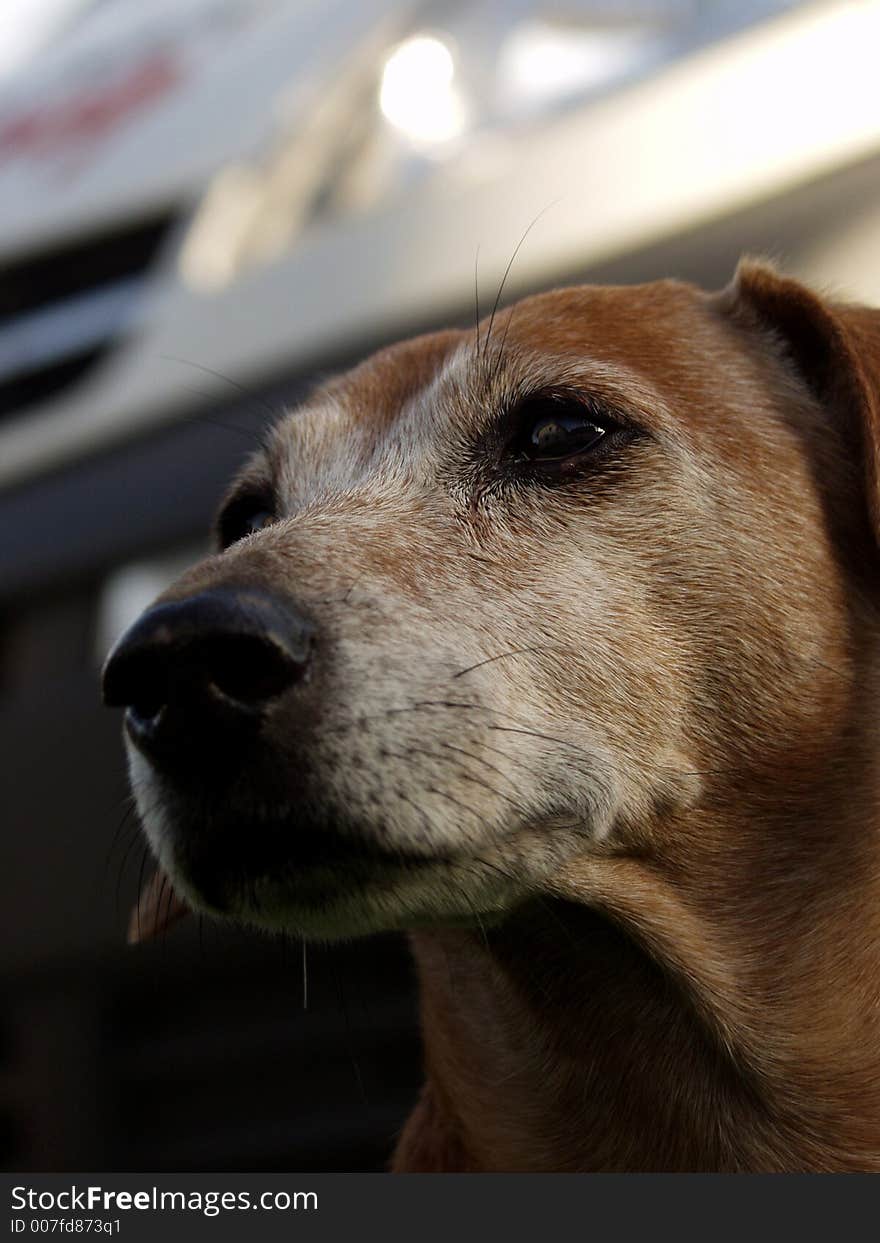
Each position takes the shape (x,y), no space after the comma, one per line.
(205,205)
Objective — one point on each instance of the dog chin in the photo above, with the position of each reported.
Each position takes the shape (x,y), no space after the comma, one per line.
(360,892)
(393,898)
(349,902)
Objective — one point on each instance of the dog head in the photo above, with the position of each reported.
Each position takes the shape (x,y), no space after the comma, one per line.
(495,600)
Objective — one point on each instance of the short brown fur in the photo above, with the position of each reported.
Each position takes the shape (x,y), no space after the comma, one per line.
(692,982)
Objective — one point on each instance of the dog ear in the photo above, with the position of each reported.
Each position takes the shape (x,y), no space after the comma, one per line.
(835,349)
(158,907)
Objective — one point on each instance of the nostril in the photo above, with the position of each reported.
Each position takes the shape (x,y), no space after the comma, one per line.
(137,681)
(148,705)
(247,668)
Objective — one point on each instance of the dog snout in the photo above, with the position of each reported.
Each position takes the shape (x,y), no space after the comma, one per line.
(198,672)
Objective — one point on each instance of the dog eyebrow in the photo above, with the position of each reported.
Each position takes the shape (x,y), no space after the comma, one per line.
(602,387)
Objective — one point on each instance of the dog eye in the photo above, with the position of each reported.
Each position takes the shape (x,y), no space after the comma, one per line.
(554,429)
(242,517)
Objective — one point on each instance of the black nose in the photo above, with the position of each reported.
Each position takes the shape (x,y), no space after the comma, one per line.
(198,672)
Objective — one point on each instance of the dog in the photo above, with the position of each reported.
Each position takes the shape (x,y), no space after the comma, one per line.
(554,643)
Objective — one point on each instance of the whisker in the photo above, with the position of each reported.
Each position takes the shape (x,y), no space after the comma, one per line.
(354,584)
(459,766)
(197,416)
(456,802)
(510,264)
(158,921)
(479,920)
(531,733)
(515,651)
(126,826)
(477,298)
(140,888)
(273,412)
(136,840)
(479,759)
(420,811)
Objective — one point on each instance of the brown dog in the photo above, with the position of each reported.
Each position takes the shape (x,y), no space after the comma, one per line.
(556,644)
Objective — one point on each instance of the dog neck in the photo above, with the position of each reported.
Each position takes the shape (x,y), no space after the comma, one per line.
(650,1024)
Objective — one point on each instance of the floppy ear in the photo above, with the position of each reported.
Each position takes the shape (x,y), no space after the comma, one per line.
(834,347)
(157,908)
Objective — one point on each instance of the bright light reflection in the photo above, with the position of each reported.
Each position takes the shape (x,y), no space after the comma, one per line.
(417,93)
(539,62)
